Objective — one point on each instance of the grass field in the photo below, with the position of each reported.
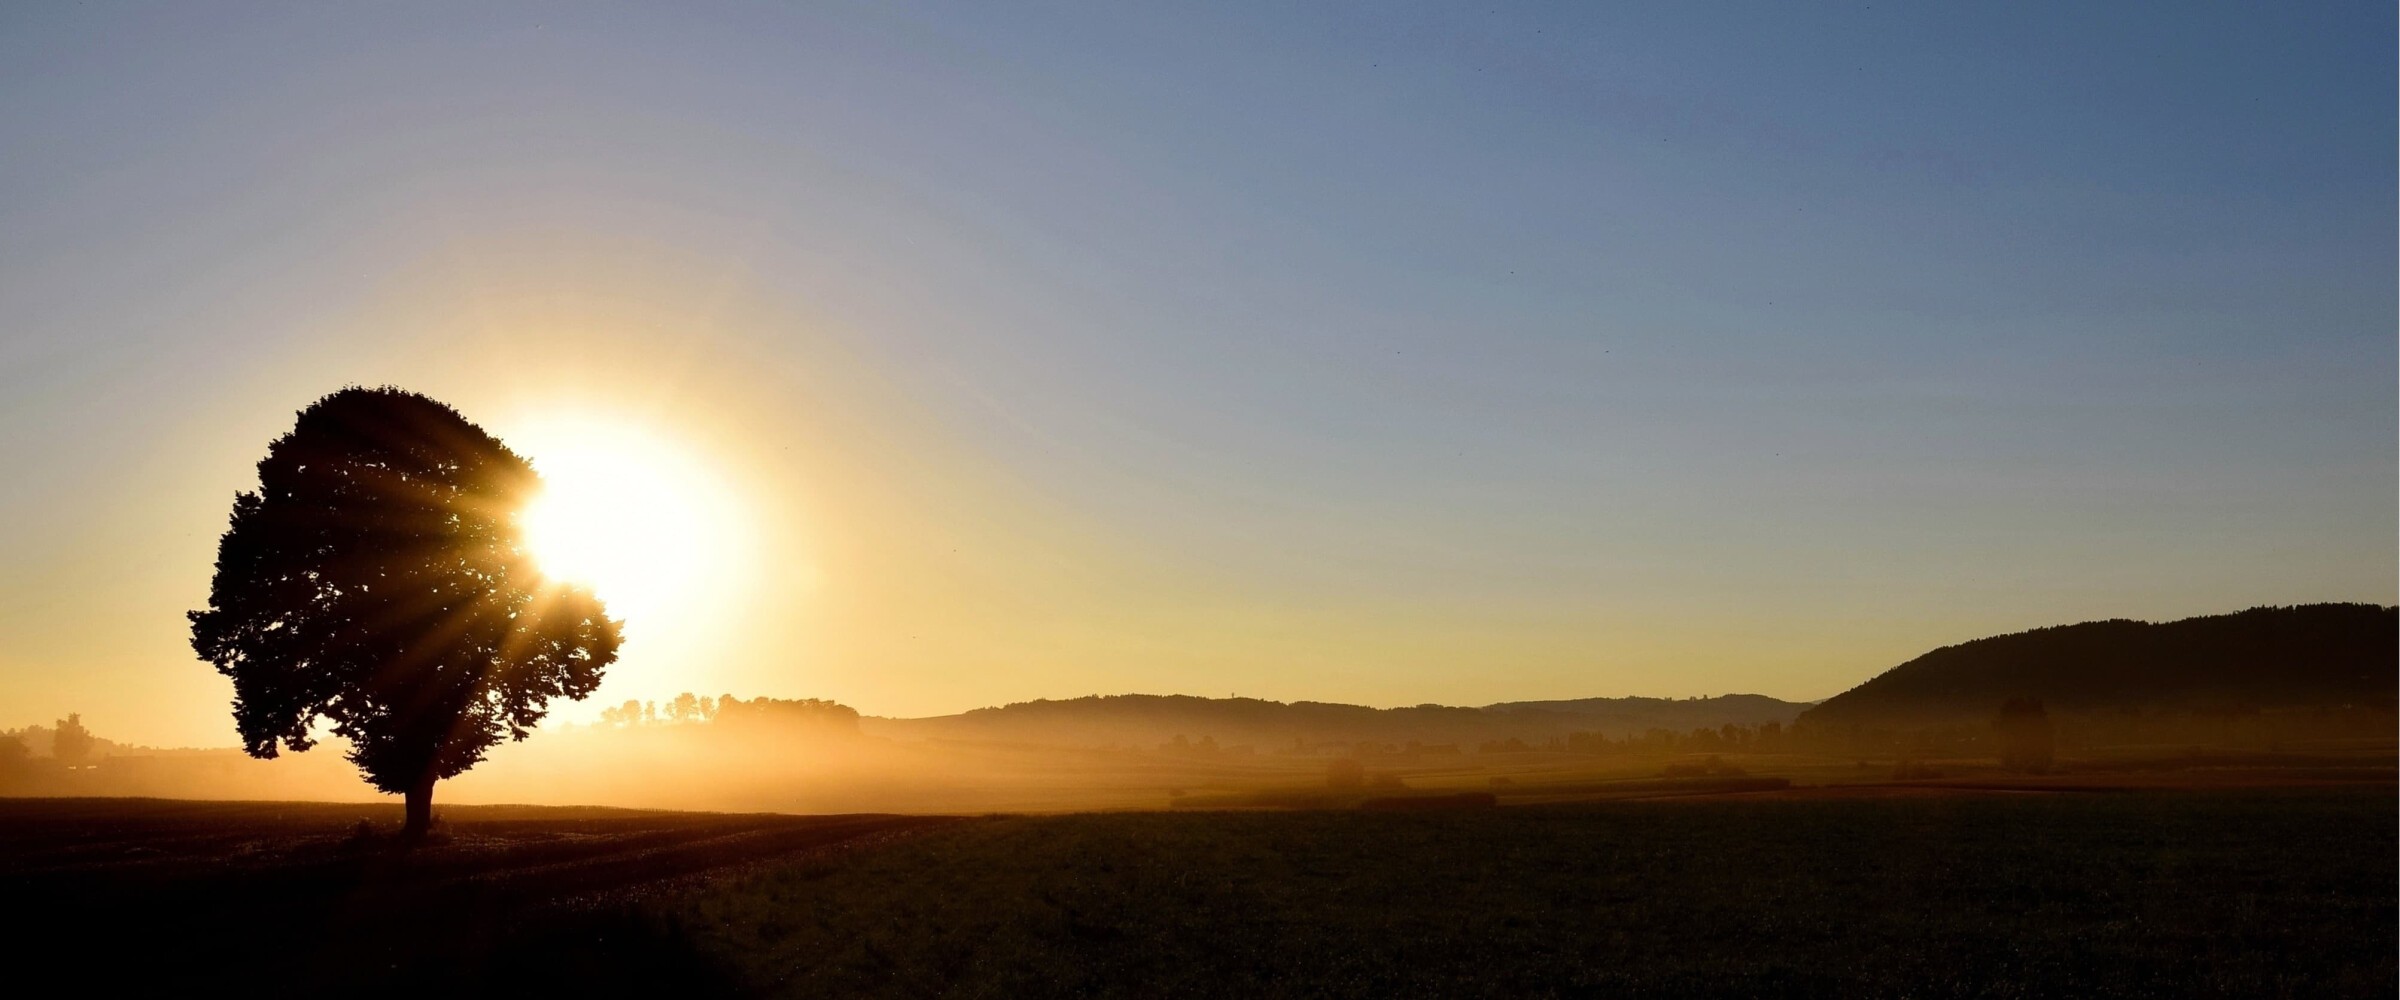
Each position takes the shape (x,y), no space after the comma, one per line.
(132,897)
(1922,892)
(2250,894)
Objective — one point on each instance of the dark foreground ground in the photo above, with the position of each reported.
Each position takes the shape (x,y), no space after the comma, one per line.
(2254,893)
(137,897)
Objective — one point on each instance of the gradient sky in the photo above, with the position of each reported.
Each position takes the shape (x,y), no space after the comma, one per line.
(1371,353)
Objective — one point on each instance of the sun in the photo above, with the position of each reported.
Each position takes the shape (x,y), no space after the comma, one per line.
(645,524)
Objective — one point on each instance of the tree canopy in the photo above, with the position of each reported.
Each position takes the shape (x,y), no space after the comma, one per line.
(377,580)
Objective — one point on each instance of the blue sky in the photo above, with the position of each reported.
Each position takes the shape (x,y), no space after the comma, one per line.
(1683,347)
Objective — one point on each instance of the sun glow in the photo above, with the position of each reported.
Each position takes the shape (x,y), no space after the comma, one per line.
(647,525)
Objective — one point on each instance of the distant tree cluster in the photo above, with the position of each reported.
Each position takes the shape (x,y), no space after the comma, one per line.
(26,769)
(683,708)
(789,713)
(65,741)
(810,714)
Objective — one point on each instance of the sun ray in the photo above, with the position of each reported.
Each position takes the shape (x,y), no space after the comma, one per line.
(646,525)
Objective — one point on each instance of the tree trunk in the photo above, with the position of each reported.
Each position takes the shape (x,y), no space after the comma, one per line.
(420,809)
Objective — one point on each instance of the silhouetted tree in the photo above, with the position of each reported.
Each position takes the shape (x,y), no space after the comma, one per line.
(2027,740)
(685,708)
(649,711)
(70,743)
(378,579)
(708,709)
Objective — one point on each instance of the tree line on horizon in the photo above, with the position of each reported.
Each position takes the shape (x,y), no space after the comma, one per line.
(66,741)
(689,709)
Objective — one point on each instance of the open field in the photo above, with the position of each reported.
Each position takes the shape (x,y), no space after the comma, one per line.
(1907,890)
(152,893)
(2249,894)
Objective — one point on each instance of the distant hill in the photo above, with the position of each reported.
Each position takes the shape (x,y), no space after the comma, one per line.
(2312,655)
(1141,720)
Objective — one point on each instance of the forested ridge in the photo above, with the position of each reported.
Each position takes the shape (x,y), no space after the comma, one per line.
(2305,656)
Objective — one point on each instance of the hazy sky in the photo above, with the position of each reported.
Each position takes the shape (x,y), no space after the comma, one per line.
(1366,353)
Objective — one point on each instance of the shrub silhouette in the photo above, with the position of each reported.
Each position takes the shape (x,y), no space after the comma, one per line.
(377,579)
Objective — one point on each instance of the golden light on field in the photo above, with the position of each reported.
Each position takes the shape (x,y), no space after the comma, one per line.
(641,521)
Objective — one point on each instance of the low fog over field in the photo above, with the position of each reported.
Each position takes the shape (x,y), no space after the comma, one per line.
(2268,695)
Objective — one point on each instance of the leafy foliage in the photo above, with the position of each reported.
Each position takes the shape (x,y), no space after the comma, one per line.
(377,580)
